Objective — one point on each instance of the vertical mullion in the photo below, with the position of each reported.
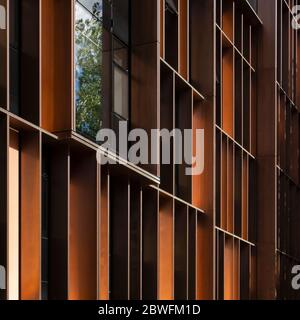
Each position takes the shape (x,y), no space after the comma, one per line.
(281,46)
(4,41)
(4,208)
(242,85)
(173,248)
(141,244)
(128,239)
(40,65)
(162,29)
(98,230)
(187,252)
(179,35)
(104,251)
(108,236)
(188,40)
(119,238)
(13,217)
(174,127)
(30,209)
(135,240)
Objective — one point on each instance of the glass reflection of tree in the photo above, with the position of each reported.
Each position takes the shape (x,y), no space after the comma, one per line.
(88,42)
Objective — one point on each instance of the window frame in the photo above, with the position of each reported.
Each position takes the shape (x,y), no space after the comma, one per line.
(111,94)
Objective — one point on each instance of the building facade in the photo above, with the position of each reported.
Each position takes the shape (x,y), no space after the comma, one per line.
(72,227)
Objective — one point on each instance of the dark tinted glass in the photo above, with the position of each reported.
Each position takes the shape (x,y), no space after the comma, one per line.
(120,77)
(120,19)
(14,52)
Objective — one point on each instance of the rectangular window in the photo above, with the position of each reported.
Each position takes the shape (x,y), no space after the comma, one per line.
(24,59)
(120,14)
(171,32)
(88,69)
(120,67)
(102,65)
(120,64)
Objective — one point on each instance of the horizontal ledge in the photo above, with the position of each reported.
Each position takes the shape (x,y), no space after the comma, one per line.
(235,236)
(283,172)
(177,199)
(284,2)
(291,257)
(235,48)
(75,137)
(250,12)
(181,77)
(294,104)
(235,142)
(23,124)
